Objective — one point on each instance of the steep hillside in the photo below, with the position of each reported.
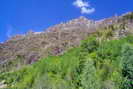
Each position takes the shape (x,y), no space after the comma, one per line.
(93,65)
(79,54)
(28,48)
(55,40)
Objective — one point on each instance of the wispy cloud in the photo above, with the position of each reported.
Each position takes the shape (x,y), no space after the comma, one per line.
(84,6)
(10,31)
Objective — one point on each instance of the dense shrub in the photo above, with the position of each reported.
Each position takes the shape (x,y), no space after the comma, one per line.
(127,71)
(89,78)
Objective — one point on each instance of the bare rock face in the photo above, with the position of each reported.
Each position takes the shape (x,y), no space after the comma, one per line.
(55,40)
(82,23)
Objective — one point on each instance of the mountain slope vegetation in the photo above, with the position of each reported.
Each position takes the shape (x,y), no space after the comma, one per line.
(100,60)
(93,65)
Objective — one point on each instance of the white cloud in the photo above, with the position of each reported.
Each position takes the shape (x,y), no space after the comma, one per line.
(10,31)
(80,3)
(84,6)
(85,10)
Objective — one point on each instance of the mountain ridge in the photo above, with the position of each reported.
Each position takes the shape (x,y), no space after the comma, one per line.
(80,54)
(57,39)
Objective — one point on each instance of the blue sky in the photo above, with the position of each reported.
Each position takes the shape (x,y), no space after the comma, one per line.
(19,16)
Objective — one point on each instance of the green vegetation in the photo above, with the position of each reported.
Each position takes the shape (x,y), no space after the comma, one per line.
(127,17)
(93,65)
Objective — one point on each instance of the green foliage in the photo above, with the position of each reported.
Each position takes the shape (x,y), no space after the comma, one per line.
(90,44)
(89,78)
(128,17)
(94,65)
(106,33)
(127,59)
(51,81)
